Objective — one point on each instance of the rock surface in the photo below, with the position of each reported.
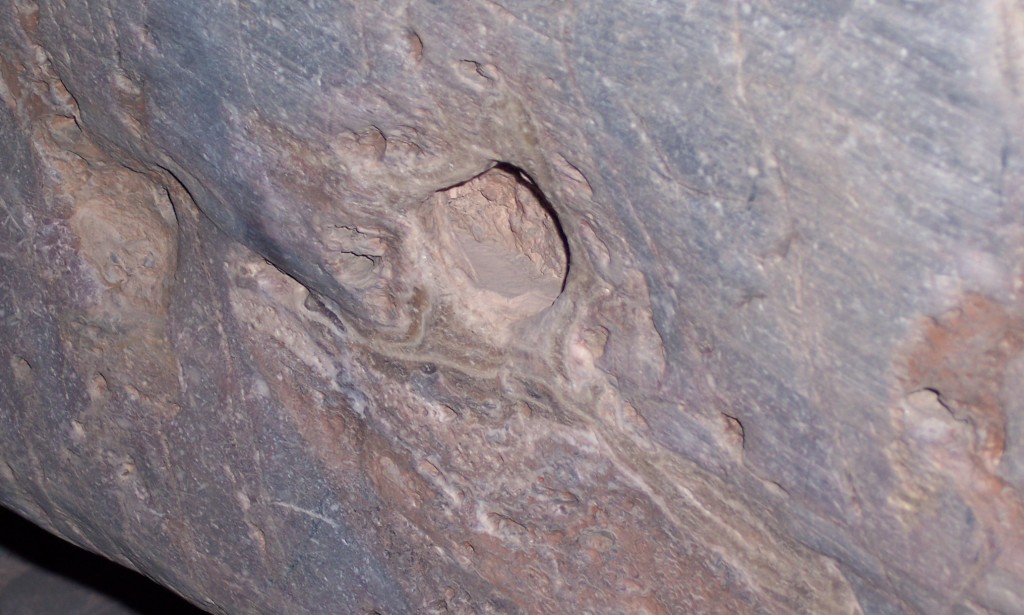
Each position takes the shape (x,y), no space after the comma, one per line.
(520,306)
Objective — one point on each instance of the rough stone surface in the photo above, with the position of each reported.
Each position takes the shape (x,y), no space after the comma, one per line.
(520,306)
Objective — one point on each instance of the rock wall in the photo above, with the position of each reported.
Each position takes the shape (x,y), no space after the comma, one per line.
(520,306)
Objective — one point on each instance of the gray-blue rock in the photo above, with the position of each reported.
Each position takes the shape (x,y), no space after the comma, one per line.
(521,306)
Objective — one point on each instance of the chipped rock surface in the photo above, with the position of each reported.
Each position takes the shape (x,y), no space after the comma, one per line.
(520,306)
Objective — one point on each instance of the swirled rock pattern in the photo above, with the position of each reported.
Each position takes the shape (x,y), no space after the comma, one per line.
(520,306)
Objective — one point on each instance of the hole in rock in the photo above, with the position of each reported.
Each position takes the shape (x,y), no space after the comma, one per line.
(504,250)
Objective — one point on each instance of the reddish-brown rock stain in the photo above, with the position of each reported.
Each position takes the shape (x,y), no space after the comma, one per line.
(963,356)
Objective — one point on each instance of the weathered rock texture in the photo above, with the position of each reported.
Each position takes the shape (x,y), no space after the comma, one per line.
(520,306)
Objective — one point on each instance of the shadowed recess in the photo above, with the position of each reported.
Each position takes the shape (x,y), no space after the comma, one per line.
(41,574)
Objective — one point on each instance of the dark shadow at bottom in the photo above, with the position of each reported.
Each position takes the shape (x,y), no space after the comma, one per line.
(41,574)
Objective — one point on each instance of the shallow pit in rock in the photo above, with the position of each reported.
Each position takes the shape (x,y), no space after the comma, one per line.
(504,255)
